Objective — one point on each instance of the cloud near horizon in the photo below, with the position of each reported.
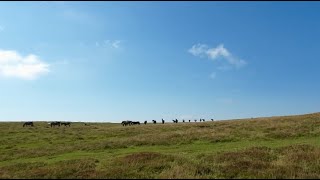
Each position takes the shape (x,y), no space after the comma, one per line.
(30,67)
(202,50)
(109,43)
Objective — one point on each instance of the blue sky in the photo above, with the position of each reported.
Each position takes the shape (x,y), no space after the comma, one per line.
(112,61)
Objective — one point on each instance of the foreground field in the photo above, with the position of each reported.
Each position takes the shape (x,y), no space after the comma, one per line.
(275,147)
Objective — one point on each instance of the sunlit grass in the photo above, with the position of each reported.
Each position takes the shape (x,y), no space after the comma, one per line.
(275,147)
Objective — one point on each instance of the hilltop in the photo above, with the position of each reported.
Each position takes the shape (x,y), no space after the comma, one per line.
(268,147)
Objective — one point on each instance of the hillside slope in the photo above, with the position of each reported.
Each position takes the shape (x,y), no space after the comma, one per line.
(271,147)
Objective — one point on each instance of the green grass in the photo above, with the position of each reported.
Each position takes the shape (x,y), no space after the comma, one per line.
(275,147)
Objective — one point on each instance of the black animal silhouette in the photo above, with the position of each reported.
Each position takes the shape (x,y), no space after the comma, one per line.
(162,121)
(56,123)
(65,123)
(125,123)
(145,122)
(189,120)
(183,120)
(135,122)
(154,121)
(212,120)
(28,124)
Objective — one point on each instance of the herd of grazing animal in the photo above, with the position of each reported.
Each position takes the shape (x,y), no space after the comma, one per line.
(124,123)
(52,124)
(129,123)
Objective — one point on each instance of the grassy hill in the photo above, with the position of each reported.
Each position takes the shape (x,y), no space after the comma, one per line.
(274,147)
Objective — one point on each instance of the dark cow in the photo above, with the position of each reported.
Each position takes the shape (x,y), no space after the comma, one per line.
(154,121)
(65,123)
(212,120)
(175,121)
(135,122)
(183,120)
(162,121)
(189,120)
(57,123)
(28,124)
(145,122)
(125,123)
(195,120)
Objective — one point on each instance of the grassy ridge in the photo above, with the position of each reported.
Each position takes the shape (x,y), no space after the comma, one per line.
(275,147)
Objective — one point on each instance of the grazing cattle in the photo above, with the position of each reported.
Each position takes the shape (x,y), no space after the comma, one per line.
(125,123)
(203,120)
(145,122)
(175,121)
(195,120)
(162,121)
(200,119)
(28,124)
(189,120)
(212,120)
(183,120)
(65,123)
(154,121)
(135,122)
(57,123)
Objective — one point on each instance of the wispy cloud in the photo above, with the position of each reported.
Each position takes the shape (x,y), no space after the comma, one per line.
(202,50)
(30,67)
(113,43)
(198,50)
(116,44)
(109,43)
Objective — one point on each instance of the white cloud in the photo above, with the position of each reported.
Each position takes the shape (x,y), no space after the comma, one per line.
(214,53)
(12,64)
(198,50)
(116,43)
(213,75)
(220,51)
(113,43)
